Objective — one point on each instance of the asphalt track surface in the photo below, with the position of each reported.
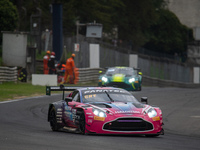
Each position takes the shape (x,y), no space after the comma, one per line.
(24,126)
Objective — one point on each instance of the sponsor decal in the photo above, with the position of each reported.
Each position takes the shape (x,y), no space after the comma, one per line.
(55,88)
(133,85)
(59,109)
(73,114)
(99,118)
(89,120)
(90,116)
(88,113)
(103,91)
(68,108)
(156,118)
(68,113)
(126,111)
(118,78)
(89,96)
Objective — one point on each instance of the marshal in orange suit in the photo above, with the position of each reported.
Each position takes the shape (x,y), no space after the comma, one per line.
(71,72)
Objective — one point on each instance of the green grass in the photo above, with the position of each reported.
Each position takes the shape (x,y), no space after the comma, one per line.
(11,90)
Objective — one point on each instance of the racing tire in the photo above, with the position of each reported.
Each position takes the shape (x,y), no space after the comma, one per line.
(52,119)
(82,123)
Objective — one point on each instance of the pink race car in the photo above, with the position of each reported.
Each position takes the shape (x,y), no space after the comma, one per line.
(104,110)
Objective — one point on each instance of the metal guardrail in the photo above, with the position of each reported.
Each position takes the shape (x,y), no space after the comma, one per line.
(8,74)
(89,74)
(92,74)
(148,81)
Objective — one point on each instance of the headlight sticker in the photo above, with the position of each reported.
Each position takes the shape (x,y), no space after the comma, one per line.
(156,118)
(99,118)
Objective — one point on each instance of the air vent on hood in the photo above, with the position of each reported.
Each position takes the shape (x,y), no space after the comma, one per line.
(101,105)
(138,105)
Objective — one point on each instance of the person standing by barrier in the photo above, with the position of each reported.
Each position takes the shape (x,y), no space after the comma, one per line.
(70,70)
(51,64)
(45,63)
(22,75)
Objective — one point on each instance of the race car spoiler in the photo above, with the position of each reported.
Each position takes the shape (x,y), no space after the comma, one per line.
(60,88)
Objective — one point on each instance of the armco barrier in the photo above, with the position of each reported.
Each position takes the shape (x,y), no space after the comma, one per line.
(8,74)
(92,74)
(148,81)
(89,74)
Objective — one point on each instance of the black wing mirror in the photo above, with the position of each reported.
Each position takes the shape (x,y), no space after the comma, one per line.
(68,99)
(144,100)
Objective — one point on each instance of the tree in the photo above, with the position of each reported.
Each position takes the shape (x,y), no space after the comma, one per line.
(141,22)
(9,17)
(88,11)
(137,16)
(168,34)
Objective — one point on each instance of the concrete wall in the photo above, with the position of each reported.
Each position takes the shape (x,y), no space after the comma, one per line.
(14,49)
(41,79)
(196,75)
(94,56)
(133,60)
(165,69)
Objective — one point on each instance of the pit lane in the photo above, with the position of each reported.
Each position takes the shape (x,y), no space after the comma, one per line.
(24,126)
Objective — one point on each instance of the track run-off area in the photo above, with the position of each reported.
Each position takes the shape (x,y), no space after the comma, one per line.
(24,126)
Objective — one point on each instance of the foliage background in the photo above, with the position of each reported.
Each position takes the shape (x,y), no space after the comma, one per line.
(142,23)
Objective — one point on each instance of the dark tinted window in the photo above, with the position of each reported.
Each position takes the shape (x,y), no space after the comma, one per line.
(117,95)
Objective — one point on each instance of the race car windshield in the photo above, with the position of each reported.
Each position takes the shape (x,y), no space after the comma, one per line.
(108,96)
(126,71)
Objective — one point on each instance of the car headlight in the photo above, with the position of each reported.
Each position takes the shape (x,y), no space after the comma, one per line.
(131,80)
(98,112)
(151,113)
(104,79)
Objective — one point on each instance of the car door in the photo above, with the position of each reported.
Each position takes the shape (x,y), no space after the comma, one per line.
(70,110)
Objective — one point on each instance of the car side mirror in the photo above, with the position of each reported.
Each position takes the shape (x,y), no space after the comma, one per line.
(144,100)
(68,99)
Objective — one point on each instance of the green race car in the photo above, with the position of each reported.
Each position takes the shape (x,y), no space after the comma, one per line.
(123,77)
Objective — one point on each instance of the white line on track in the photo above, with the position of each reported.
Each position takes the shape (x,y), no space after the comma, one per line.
(16,100)
(195,116)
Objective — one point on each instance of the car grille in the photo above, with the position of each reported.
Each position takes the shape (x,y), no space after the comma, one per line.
(128,124)
(119,84)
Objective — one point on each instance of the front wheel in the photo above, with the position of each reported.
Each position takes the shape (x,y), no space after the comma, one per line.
(52,119)
(82,123)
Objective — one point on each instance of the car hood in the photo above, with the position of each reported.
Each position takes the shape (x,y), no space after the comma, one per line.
(121,107)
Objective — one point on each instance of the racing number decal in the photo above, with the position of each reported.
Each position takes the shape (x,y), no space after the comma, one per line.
(89,96)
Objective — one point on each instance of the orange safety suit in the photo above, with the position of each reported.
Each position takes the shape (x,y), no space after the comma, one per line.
(45,64)
(69,71)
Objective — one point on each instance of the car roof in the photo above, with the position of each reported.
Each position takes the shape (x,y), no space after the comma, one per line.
(99,88)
